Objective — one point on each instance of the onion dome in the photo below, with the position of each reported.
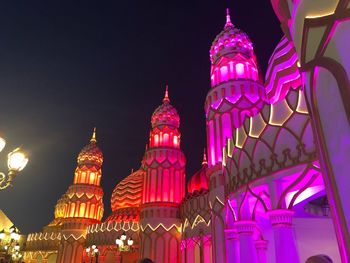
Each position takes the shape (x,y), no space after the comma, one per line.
(128,192)
(199,181)
(91,153)
(61,207)
(283,72)
(231,40)
(165,114)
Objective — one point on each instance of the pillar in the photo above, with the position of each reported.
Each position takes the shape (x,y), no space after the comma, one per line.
(232,246)
(261,250)
(245,230)
(285,245)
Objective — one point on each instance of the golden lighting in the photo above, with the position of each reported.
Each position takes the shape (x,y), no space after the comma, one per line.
(302,107)
(17,160)
(280,113)
(2,143)
(257,126)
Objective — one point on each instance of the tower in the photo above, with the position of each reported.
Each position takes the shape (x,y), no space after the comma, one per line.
(236,90)
(164,187)
(84,204)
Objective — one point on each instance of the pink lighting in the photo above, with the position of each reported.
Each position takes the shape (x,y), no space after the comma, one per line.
(236,93)
(304,195)
(240,70)
(163,183)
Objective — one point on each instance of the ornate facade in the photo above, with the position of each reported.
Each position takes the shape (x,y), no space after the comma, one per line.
(264,192)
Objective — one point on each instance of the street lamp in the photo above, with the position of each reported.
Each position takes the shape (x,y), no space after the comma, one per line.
(92,252)
(122,245)
(16,161)
(10,248)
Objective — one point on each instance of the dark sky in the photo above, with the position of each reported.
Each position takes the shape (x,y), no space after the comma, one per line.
(67,66)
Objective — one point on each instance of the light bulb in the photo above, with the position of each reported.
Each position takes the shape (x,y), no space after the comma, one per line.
(2,143)
(130,242)
(17,160)
(118,242)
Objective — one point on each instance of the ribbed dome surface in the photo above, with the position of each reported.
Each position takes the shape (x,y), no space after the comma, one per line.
(229,40)
(128,192)
(90,154)
(199,181)
(165,114)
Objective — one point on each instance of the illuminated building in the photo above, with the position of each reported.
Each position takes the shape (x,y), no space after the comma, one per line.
(266,189)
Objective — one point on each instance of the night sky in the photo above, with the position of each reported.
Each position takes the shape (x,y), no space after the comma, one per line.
(66,67)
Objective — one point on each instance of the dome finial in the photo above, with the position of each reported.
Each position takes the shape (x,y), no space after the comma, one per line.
(204,158)
(228,18)
(93,137)
(166,96)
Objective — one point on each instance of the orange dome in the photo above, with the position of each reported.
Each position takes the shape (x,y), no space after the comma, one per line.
(128,192)
(91,153)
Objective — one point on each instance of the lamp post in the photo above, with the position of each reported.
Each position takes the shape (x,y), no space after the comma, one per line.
(92,252)
(16,161)
(123,243)
(10,247)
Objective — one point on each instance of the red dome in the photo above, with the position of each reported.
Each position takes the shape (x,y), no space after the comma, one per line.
(199,181)
(165,114)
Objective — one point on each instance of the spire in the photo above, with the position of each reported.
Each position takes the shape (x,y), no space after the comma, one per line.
(166,96)
(93,137)
(204,158)
(228,18)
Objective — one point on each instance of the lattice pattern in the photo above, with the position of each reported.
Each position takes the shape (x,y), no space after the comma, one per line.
(279,136)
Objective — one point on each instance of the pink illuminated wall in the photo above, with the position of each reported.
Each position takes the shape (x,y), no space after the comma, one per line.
(236,89)
(164,162)
(163,187)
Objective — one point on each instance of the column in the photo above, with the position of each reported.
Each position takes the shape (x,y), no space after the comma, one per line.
(246,231)
(232,246)
(285,245)
(261,250)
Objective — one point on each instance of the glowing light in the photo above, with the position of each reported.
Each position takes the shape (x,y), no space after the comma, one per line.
(319,15)
(118,242)
(310,191)
(2,143)
(280,113)
(302,107)
(17,160)
(178,228)
(240,69)
(257,126)
(198,220)
(130,242)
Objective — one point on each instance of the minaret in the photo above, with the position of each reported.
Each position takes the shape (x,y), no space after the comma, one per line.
(236,88)
(84,205)
(164,187)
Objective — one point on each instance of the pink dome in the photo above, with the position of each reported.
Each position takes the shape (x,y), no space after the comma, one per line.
(282,72)
(231,40)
